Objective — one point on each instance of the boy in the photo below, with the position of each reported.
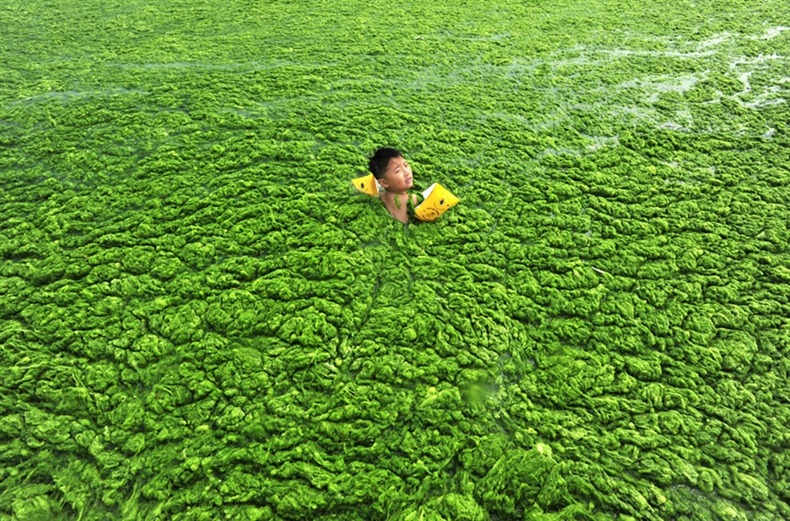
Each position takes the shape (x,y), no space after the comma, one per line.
(394,175)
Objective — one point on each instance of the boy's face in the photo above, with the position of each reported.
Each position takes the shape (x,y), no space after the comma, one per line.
(398,177)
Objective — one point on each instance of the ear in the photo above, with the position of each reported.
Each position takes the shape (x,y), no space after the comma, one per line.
(384,183)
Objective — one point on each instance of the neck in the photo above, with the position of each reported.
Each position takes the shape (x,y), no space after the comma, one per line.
(395,193)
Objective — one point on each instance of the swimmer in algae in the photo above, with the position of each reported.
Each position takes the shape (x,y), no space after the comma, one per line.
(390,171)
(393,173)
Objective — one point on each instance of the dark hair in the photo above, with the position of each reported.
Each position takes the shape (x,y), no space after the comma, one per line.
(381,158)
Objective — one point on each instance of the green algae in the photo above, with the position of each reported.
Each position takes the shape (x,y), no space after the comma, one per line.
(200,319)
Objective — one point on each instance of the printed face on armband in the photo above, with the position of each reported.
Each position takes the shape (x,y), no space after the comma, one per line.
(437,201)
(429,213)
(367,185)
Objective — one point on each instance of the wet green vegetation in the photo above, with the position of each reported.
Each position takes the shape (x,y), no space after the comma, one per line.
(201,319)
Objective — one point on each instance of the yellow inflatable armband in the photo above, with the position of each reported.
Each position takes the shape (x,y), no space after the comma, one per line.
(367,185)
(437,200)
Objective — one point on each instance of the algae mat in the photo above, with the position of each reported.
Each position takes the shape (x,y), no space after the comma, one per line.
(200,319)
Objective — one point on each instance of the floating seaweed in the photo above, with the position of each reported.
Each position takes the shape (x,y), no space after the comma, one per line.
(200,320)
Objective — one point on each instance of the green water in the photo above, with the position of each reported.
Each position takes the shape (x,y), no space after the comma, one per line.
(201,319)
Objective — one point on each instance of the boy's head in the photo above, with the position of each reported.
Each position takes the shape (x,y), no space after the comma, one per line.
(391,170)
